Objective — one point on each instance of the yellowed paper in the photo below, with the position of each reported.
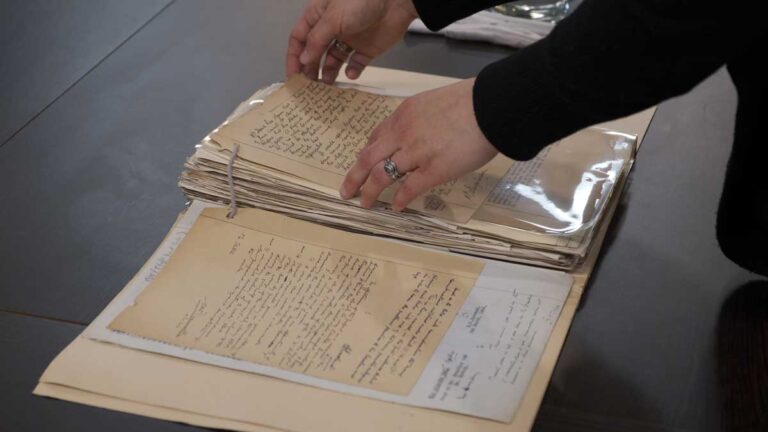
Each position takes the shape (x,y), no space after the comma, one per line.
(166,387)
(303,298)
(311,126)
(314,131)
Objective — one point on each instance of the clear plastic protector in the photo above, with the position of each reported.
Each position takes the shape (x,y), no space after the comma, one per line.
(562,191)
(565,188)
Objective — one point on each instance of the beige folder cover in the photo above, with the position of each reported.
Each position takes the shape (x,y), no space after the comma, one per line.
(144,383)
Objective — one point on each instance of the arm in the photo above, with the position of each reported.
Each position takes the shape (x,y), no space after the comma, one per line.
(609,59)
(437,14)
(369,27)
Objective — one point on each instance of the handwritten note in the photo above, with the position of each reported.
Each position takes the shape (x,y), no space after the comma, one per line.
(481,366)
(319,125)
(314,131)
(298,297)
(492,347)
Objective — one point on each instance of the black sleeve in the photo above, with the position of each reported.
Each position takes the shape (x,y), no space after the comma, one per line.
(437,14)
(609,59)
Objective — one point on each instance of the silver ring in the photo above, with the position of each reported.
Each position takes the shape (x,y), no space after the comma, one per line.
(342,47)
(390,167)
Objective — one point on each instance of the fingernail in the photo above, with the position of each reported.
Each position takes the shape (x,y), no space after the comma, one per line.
(344,193)
(353,73)
(304,58)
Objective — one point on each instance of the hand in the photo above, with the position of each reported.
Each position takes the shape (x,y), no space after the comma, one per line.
(433,136)
(369,27)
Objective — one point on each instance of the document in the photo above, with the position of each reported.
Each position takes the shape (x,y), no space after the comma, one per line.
(542,212)
(345,312)
(565,188)
(314,131)
(295,296)
(209,390)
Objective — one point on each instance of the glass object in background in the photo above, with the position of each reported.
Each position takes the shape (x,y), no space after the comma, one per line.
(539,10)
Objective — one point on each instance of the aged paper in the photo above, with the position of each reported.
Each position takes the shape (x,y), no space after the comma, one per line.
(243,401)
(230,397)
(314,132)
(481,367)
(303,298)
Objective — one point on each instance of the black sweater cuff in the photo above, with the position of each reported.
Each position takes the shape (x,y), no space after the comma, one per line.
(437,14)
(518,107)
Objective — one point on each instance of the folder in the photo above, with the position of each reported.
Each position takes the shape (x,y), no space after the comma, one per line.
(147,383)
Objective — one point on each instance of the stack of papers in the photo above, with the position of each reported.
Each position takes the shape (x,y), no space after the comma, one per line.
(241,323)
(297,140)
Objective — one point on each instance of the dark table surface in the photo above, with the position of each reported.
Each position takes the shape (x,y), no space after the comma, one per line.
(101,101)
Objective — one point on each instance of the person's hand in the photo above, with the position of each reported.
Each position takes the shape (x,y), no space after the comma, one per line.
(369,27)
(432,136)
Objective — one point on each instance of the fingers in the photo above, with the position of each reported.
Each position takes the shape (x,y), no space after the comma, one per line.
(414,184)
(310,71)
(310,40)
(371,155)
(334,59)
(297,41)
(318,39)
(357,62)
(292,64)
(379,130)
(378,180)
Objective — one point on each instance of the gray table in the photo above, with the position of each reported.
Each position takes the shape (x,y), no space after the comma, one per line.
(100,102)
